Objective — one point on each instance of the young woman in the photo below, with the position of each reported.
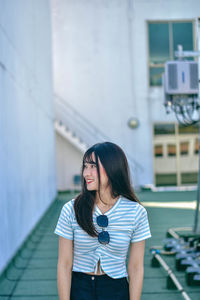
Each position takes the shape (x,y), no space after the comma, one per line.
(96,230)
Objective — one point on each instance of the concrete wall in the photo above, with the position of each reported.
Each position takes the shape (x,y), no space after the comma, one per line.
(27,141)
(68,162)
(101,67)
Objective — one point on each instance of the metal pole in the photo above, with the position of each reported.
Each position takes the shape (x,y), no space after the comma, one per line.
(178,165)
(198,186)
(196,219)
(172,276)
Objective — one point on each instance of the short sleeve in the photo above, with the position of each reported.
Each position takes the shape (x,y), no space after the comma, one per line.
(64,224)
(142,229)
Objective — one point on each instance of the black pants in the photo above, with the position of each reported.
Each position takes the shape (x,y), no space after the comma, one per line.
(98,287)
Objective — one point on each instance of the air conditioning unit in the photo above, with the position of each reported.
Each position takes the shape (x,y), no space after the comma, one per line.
(181,77)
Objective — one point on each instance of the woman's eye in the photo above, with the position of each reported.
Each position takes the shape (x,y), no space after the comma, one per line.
(93,166)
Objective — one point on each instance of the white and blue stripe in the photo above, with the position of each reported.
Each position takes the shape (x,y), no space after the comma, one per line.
(127,223)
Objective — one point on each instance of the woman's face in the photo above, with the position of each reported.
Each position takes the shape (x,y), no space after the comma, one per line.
(91,176)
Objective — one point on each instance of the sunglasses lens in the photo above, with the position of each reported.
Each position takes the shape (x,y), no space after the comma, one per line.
(102,221)
(104,237)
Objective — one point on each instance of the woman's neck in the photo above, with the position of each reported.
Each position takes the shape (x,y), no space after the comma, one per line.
(105,199)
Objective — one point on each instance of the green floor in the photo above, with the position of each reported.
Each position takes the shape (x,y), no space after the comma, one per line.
(160,220)
(32,274)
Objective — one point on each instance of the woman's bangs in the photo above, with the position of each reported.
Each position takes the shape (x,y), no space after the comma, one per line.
(88,158)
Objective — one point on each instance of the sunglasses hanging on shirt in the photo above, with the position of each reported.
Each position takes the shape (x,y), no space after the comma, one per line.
(103,236)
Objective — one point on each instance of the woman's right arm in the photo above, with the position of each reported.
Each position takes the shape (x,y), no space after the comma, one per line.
(64,268)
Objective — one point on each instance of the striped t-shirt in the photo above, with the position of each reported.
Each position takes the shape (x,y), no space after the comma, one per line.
(127,223)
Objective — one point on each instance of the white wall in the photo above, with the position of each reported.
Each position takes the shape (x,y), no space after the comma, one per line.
(69,162)
(27,141)
(100,67)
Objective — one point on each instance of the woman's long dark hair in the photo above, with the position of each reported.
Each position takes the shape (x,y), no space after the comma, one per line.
(115,164)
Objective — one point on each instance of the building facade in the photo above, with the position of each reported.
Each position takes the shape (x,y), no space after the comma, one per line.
(108,62)
(27,138)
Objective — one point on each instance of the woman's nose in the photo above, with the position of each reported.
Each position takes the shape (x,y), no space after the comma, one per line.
(87,171)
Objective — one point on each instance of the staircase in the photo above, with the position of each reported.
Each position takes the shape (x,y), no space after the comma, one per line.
(71,125)
(70,136)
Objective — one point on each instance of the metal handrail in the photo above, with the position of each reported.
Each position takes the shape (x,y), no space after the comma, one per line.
(83,128)
(68,107)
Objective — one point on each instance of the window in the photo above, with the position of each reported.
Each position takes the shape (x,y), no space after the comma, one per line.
(158,150)
(164,129)
(163,39)
(184,148)
(171,150)
(196,149)
(188,129)
(189,178)
(166,179)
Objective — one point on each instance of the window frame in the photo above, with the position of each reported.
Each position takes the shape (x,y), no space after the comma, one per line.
(196,144)
(171,153)
(161,154)
(184,145)
(170,22)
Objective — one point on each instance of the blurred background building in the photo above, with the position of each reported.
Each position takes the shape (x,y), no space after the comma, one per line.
(108,62)
(77,72)
(27,139)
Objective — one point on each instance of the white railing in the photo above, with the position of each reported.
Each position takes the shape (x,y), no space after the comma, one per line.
(86,131)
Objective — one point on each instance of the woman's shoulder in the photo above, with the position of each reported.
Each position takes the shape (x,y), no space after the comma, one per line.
(68,207)
(132,204)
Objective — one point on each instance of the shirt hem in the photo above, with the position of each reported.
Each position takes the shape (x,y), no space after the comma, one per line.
(66,237)
(92,271)
(142,239)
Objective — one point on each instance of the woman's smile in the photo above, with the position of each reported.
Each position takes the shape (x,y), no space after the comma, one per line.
(88,181)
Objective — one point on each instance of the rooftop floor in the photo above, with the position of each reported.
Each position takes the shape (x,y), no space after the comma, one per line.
(32,273)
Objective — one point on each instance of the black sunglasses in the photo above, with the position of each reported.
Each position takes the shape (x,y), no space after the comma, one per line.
(103,236)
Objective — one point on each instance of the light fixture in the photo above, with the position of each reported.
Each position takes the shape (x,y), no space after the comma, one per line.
(133,123)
